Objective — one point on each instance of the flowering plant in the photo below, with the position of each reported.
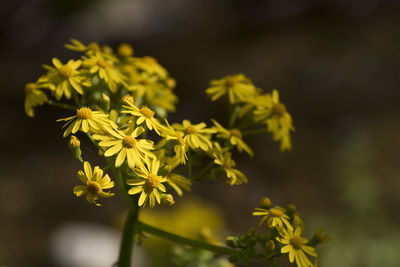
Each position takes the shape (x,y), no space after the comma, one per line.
(120,102)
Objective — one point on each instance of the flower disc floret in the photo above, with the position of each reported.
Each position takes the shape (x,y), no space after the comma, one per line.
(236,133)
(279,109)
(65,71)
(84,113)
(129,141)
(148,113)
(93,188)
(153,181)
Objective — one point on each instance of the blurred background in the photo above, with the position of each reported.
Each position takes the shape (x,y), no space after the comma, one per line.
(336,65)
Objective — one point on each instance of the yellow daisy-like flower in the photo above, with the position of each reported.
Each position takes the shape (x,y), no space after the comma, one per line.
(196,135)
(149,185)
(144,114)
(238,87)
(105,69)
(180,147)
(33,97)
(278,120)
(94,182)
(295,246)
(86,120)
(127,146)
(150,66)
(275,218)
(234,136)
(225,160)
(64,78)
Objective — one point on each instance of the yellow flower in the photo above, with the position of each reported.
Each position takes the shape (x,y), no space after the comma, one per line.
(127,146)
(149,185)
(180,147)
(275,218)
(33,97)
(224,159)
(238,87)
(150,66)
(105,67)
(94,182)
(86,120)
(144,114)
(278,120)
(295,246)
(64,78)
(196,136)
(234,136)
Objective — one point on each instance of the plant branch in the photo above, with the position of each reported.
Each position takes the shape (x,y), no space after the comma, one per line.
(185,241)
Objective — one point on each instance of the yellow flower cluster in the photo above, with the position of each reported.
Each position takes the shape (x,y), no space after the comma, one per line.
(290,228)
(120,102)
(254,108)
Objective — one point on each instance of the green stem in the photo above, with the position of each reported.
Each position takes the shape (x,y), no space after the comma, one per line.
(185,241)
(233,112)
(125,252)
(60,105)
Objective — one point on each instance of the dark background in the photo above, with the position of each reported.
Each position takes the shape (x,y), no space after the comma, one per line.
(335,63)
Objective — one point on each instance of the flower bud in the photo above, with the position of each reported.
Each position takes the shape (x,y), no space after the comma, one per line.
(74,142)
(75,146)
(127,99)
(167,199)
(291,210)
(105,102)
(270,246)
(265,203)
(125,50)
(232,241)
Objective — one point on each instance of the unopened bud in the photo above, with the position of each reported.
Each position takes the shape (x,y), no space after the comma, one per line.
(125,50)
(105,102)
(232,241)
(270,246)
(291,210)
(167,199)
(171,83)
(74,142)
(127,99)
(75,146)
(265,203)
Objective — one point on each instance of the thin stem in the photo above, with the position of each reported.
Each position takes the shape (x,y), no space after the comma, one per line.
(233,112)
(185,241)
(60,105)
(125,252)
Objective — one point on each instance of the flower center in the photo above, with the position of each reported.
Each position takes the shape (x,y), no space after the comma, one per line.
(93,188)
(94,47)
(276,212)
(296,242)
(84,113)
(153,181)
(129,141)
(227,165)
(279,109)
(190,130)
(231,81)
(65,71)
(236,133)
(148,113)
(29,87)
(102,63)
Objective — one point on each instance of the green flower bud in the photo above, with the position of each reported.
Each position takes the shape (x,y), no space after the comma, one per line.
(270,246)
(75,146)
(167,199)
(265,203)
(232,241)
